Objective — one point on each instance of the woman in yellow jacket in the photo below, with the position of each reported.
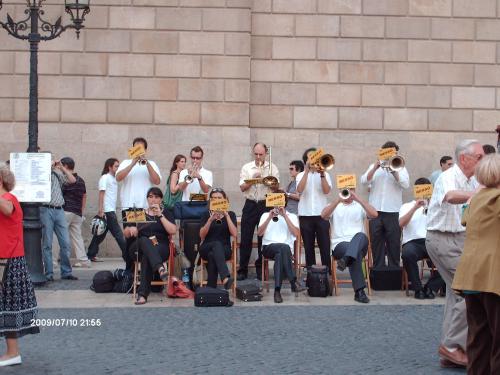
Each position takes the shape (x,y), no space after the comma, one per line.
(478,273)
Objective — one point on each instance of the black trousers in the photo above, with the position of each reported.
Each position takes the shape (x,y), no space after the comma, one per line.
(216,254)
(385,235)
(282,256)
(128,254)
(250,217)
(315,228)
(355,249)
(151,258)
(113,227)
(413,251)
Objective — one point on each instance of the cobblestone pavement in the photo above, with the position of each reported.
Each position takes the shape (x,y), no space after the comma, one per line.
(238,340)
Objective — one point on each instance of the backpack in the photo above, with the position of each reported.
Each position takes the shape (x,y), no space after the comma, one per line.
(317,281)
(103,282)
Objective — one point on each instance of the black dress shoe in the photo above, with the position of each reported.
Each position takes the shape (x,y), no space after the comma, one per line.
(420,294)
(241,276)
(229,303)
(277,297)
(229,283)
(341,264)
(297,288)
(429,294)
(69,277)
(361,297)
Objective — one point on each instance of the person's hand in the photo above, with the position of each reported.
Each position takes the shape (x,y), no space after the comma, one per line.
(257,175)
(135,160)
(377,164)
(156,210)
(281,211)
(130,232)
(420,203)
(100,213)
(354,196)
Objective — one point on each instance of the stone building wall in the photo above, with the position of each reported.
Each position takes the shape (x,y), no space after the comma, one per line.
(343,74)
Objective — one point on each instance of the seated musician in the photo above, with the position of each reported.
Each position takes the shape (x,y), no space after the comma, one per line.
(215,233)
(279,229)
(349,242)
(152,241)
(413,222)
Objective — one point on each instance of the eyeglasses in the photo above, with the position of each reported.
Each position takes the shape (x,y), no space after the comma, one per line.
(217,190)
(196,157)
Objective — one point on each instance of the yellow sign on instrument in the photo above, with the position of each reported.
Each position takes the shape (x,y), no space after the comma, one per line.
(136,151)
(346,181)
(386,153)
(135,216)
(219,204)
(275,200)
(253,181)
(422,191)
(316,155)
(198,197)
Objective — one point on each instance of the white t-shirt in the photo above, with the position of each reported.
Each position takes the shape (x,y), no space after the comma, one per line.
(312,199)
(277,231)
(194,187)
(108,184)
(417,227)
(136,185)
(347,220)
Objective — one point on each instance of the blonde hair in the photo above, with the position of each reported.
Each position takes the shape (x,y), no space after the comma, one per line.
(7,177)
(488,171)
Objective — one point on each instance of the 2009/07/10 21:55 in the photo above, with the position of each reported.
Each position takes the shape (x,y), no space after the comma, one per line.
(66,322)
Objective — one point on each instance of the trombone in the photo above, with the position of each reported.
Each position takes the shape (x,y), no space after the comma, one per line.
(270,180)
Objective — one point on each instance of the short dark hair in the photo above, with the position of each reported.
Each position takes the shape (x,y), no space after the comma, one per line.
(444,159)
(304,155)
(218,190)
(156,191)
(68,162)
(390,144)
(108,163)
(197,149)
(489,149)
(422,181)
(299,165)
(260,143)
(140,140)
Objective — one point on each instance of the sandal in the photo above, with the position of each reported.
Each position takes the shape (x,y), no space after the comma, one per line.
(141,300)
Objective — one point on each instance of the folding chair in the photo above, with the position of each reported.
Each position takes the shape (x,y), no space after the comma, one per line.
(265,264)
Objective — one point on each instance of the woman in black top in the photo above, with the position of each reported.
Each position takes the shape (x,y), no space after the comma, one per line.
(215,233)
(153,242)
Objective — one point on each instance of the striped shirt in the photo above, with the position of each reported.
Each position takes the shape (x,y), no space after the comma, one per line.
(57,180)
(73,195)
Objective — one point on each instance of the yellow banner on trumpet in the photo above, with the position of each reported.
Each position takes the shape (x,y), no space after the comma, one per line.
(346,181)
(219,204)
(275,200)
(136,151)
(422,191)
(386,153)
(316,155)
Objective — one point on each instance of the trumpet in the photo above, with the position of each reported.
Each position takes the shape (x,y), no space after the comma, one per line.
(188,179)
(143,161)
(325,163)
(393,164)
(270,180)
(275,211)
(219,215)
(344,194)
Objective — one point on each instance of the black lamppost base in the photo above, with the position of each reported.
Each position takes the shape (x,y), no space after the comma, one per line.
(32,229)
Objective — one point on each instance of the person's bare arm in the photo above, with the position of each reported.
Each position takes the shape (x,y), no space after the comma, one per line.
(100,213)
(120,176)
(6,207)
(371,212)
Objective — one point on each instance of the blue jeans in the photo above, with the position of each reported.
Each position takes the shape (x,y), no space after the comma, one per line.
(53,220)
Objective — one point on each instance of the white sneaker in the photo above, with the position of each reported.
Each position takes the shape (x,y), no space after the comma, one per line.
(11,361)
(82,264)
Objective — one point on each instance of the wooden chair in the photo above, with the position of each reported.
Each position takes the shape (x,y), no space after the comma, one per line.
(265,264)
(233,266)
(405,284)
(367,262)
(137,270)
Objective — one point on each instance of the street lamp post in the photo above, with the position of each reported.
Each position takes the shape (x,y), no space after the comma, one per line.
(35,29)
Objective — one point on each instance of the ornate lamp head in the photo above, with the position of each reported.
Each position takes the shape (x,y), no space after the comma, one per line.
(77,9)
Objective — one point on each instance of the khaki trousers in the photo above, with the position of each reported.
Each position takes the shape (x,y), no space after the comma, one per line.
(75,235)
(445,250)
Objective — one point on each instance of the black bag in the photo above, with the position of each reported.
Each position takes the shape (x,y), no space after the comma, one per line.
(123,281)
(248,293)
(190,209)
(386,278)
(207,297)
(103,282)
(317,281)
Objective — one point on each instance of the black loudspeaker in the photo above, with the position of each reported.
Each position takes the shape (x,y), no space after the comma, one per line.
(386,278)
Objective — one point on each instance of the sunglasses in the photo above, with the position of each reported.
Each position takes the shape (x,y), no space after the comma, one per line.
(217,190)
(196,157)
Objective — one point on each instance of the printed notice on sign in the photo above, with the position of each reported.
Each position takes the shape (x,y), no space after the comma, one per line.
(32,171)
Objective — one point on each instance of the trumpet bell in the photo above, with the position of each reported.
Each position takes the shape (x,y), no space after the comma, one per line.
(188,179)
(345,194)
(326,162)
(270,181)
(143,161)
(396,163)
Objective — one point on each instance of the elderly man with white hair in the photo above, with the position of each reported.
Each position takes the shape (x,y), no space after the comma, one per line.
(445,242)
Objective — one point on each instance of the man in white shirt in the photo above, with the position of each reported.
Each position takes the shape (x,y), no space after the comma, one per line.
(279,229)
(108,195)
(386,195)
(255,205)
(445,163)
(413,222)
(136,177)
(202,179)
(314,185)
(349,242)
(445,241)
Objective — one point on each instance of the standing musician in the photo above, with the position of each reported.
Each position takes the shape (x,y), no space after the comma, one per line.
(255,204)
(195,179)
(314,184)
(292,205)
(386,195)
(137,176)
